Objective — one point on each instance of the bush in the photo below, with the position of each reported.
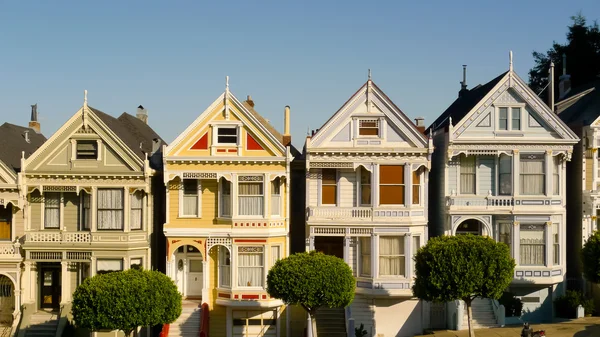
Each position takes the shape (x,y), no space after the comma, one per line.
(566,305)
(512,305)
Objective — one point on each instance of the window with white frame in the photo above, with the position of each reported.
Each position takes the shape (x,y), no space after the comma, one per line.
(191,194)
(52,210)
(275,254)
(85,214)
(368,127)
(135,214)
(224,267)
(416,244)
(391,256)
(503,118)
(251,195)
(505,234)
(225,198)
(83,271)
(365,256)
(509,118)
(516,119)
(556,246)
(276,197)
(365,187)
(250,266)
(532,174)
(416,187)
(86,149)
(110,209)
(532,243)
(104,266)
(227,135)
(136,263)
(329,186)
(505,174)
(556,175)
(391,185)
(467,174)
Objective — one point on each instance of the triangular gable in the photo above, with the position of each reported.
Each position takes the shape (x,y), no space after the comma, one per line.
(368,101)
(257,136)
(7,175)
(114,153)
(512,86)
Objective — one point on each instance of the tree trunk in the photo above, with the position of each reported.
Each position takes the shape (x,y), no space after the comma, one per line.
(313,323)
(470,318)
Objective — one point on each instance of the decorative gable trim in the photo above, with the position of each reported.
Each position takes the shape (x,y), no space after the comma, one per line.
(251,143)
(202,143)
(485,121)
(7,173)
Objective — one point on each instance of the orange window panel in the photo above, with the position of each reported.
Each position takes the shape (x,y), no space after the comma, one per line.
(329,187)
(391,174)
(391,194)
(416,189)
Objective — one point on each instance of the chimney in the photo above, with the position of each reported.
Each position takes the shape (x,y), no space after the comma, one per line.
(564,81)
(463,84)
(34,124)
(250,101)
(287,137)
(551,87)
(420,123)
(155,145)
(142,114)
(26,136)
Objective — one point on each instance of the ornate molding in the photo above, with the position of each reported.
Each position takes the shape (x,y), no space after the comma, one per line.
(366,157)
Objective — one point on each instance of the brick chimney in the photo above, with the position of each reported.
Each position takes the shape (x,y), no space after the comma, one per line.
(142,114)
(420,123)
(287,137)
(250,101)
(33,123)
(463,83)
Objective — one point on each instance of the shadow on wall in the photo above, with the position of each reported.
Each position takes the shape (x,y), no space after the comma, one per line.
(537,302)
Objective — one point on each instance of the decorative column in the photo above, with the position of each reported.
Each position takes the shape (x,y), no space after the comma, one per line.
(408,185)
(233,194)
(28,285)
(93,266)
(374,255)
(206,279)
(549,169)
(347,241)
(126,209)
(515,172)
(267,196)
(66,282)
(515,241)
(94,208)
(185,274)
(408,255)
(549,245)
(375,185)
(311,242)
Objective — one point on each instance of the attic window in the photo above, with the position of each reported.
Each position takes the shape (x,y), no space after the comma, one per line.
(87,149)
(368,127)
(227,135)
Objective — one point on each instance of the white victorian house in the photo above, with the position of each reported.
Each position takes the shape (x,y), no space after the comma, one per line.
(366,196)
(499,170)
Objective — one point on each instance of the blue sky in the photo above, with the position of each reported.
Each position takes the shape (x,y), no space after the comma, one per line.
(173,56)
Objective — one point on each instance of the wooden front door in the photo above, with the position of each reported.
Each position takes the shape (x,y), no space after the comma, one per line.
(330,245)
(50,286)
(5,222)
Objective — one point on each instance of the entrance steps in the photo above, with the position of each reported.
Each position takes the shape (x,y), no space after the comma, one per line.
(483,314)
(331,322)
(188,324)
(42,324)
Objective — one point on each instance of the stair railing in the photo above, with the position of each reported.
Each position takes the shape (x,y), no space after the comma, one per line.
(349,321)
(499,312)
(204,319)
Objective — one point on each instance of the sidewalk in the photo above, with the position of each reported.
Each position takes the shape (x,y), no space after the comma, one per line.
(583,327)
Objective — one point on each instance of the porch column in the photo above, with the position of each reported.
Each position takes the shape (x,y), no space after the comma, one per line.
(94,209)
(169,268)
(126,208)
(185,273)
(311,242)
(92,266)
(347,240)
(65,288)
(375,185)
(28,285)
(549,169)
(206,279)
(17,293)
(374,255)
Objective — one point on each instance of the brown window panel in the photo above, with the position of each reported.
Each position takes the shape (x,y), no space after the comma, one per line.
(329,176)
(329,194)
(391,174)
(415,194)
(368,131)
(391,195)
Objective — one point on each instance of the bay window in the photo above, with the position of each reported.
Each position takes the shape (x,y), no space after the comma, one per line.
(135,213)
(52,210)
(391,256)
(191,192)
(225,198)
(556,244)
(136,263)
(503,118)
(276,197)
(250,266)
(251,195)
(329,186)
(365,187)
(533,245)
(391,185)
(416,188)
(365,256)
(224,267)
(275,254)
(467,174)
(556,175)
(505,175)
(532,174)
(104,266)
(85,215)
(110,209)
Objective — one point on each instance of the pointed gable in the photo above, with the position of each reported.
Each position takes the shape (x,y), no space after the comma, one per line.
(369,119)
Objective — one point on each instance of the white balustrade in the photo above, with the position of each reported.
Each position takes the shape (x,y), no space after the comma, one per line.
(8,249)
(84,237)
(481,201)
(342,212)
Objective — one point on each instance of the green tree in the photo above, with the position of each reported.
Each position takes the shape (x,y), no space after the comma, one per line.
(312,280)
(590,257)
(582,51)
(462,267)
(125,301)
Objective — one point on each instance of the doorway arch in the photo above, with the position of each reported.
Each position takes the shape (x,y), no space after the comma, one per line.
(472,225)
(7,300)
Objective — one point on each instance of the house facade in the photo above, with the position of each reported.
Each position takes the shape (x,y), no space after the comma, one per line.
(227,209)
(366,202)
(89,206)
(16,144)
(499,170)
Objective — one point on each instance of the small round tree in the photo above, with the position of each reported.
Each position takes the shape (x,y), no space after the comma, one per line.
(462,267)
(312,280)
(590,257)
(125,301)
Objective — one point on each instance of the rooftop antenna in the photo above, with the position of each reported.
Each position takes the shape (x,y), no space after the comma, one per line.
(226,97)
(369,74)
(510,61)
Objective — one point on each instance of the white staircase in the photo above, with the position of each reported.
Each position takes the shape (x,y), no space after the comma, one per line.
(42,324)
(188,324)
(483,314)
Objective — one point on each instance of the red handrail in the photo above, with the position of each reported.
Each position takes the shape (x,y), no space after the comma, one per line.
(204,321)
(164,332)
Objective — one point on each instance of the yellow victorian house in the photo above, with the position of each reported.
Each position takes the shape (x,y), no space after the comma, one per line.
(227,177)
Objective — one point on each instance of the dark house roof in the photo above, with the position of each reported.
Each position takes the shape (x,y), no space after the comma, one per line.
(12,143)
(463,104)
(132,131)
(581,105)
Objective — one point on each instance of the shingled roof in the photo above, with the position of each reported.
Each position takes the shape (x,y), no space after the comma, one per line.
(581,105)
(463,104)
(13,143)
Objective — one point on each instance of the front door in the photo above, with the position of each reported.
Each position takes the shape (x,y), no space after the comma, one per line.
(5,221)
(330,245)
(50,286)
(194,278)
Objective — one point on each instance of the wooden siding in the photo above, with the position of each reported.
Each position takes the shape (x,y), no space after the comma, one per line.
(71,212)
(35,205)
(486,175)
(589,170)
(347,187)
(209,211)
(18,224)
(363,312)
(453,166)
(313,186)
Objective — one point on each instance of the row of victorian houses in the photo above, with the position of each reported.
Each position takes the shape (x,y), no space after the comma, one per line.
(218,206)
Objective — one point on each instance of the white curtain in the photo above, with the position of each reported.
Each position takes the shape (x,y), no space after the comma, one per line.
(532,245)
(135,221)
(391,256)
(250,269)
(104,266)
(556,176)
(532,177)
(224,267)
(467,175)
(110,209)
(275,254)
(86,215)
(251,199)
(505,176)
(365,256)
(190,205)
(505,236)
(52,210)
(276,197)
(555,239)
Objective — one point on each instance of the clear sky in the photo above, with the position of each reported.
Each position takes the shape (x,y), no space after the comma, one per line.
(172,56)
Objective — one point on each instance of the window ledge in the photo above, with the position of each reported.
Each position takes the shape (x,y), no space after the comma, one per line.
(189,217)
